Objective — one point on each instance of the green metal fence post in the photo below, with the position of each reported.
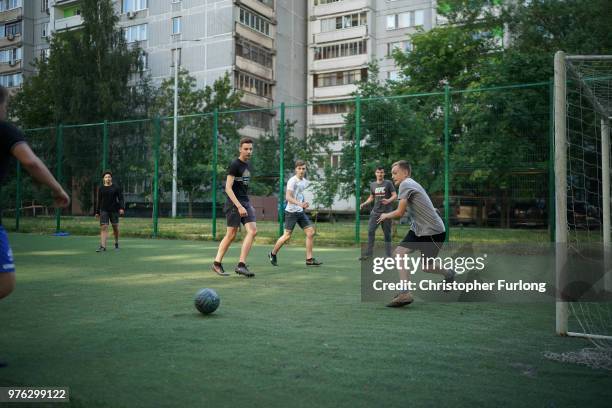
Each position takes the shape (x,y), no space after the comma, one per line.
(156,141)
(214,172)
(105,146)
(18,198)
(447,159)
(357,167)
(551,161)
(58,171)
(281,171)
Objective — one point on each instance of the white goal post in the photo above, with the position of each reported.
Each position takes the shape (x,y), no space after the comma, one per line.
(582,115)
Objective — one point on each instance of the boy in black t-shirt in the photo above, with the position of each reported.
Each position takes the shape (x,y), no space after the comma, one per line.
(109,207)
(238,209)
(13,144)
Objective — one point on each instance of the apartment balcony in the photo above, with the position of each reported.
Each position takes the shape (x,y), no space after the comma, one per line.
(251,67)
(338,64)
(338,7)
(327,120)
(11,15)
(334,92)
(68,23)
(10,67)
(340,35)
(252,132)
(11,40)
(255,36)
(259,7)
(256,101)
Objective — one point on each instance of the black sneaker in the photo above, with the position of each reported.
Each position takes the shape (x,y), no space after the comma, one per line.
(243,270)
(101,249)
(116,245)
(272,259)
(218,269)
(313,262)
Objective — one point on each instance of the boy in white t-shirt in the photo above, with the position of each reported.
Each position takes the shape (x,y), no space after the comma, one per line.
(295,214)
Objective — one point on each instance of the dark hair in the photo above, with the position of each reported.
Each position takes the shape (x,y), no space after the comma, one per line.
(3,94)
(403,164)
(299,163)
(246,140)
(107,172)
(380,168)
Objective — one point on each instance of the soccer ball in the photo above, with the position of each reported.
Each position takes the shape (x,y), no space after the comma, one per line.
(207,301)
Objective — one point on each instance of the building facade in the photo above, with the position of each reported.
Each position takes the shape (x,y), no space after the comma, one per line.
(261,44)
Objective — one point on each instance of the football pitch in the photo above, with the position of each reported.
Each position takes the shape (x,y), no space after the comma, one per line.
(120,329)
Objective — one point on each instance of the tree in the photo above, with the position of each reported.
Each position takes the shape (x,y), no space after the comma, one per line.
(195,158)
(84,80)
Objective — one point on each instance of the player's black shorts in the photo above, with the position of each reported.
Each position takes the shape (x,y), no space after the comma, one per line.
(429,245)
(298,217)
(233,217)
(107,217)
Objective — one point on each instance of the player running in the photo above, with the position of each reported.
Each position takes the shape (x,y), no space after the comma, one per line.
(238,209)
(295,214)
(382,193)
(110,206)
(427,232)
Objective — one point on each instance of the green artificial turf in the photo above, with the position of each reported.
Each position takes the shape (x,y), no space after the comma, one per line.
(120,329)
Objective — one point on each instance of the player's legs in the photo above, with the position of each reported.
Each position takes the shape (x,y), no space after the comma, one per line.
(372,226)
(247,242)
(103,235)
(7,284)
(7,266)
(431,248)
(310,233)
(386,227)
(114,219)
(282,241)
(230,235)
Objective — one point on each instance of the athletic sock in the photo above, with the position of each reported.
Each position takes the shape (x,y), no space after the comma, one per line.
(217,263)
(309,259)
(241,265)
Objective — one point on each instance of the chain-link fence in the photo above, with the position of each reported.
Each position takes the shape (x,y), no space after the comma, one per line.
(483,155)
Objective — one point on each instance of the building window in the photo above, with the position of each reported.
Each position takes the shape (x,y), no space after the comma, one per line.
(321,2)
(335,133)
(404,46)
(11,80)
(9,4)
(340,78)
(419,17)
(340,50)
(330,108)
(176,25)
(405,20)
(250,84)
(44,54)
(255,53)
(342,22)
(136,33)
(255,21)
(133,5)
(256,118)
(12,29)
(44,32)
(143,59)
(269,3)
(44,5)
(11,55)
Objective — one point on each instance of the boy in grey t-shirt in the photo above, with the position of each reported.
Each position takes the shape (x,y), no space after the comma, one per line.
(427,232)
(382,193)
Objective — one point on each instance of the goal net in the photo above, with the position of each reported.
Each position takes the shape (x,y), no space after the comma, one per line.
(583,112)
